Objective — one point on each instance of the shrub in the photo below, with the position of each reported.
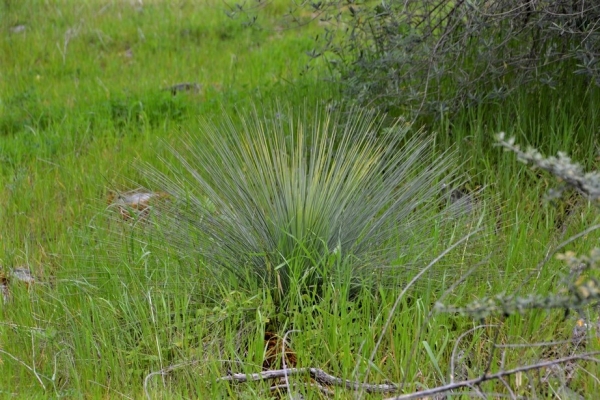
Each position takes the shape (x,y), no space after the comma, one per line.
(428,57)
(581,285)
(437,56)
(295,201)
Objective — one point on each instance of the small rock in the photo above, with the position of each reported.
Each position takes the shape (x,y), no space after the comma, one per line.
(18,29)
(134,201)
(23,275)
(16,275)
(184,87)
(5,292)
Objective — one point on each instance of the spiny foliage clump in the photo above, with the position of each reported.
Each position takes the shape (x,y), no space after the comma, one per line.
(581,285)
(297,200)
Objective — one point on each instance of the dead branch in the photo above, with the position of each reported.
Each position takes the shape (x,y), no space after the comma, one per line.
(488,377)
(317,374)
(286,387)
(323,378)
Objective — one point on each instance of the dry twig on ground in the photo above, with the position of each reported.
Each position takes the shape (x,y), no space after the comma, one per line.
(323,378)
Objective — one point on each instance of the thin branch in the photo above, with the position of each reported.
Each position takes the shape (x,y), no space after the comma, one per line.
(283,354)
(109,389)
(457,343)
(489,377)
(405,290)
(478,391)
(425,323)
(489,366)
(317,374)
(323,378)
(32,370)
(163,372)
(323,389)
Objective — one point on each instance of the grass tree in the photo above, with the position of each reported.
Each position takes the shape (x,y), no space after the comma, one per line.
(298,200)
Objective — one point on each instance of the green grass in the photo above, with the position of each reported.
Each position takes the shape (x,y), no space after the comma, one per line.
(82,101)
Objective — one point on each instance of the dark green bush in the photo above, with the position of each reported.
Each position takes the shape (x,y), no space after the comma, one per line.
(427,57)
(433,56)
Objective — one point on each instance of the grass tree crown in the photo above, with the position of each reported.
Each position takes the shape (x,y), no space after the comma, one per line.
(293,199)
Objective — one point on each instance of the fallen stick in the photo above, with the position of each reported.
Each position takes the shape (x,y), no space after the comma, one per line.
(488,377)
(324,378)
(317,374)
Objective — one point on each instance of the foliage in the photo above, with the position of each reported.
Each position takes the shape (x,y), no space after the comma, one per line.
(569,174)
(296,201)
(437,56)
(82,98)
(581,286)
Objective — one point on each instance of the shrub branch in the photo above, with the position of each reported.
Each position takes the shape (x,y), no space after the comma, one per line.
(323,378)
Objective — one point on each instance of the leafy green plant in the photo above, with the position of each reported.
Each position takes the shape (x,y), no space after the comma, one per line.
(298,201)
(580,287)
(432,57)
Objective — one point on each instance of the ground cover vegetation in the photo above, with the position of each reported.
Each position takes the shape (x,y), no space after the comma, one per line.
(170,216)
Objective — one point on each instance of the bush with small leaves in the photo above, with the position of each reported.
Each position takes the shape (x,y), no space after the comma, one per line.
(427,57)
(581,286)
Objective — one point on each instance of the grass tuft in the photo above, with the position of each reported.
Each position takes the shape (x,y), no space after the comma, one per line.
(296,201)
